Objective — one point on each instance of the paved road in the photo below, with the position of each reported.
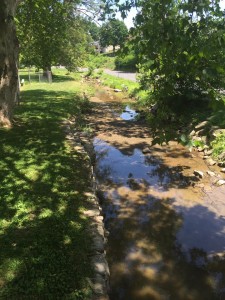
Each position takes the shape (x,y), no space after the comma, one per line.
(121,74)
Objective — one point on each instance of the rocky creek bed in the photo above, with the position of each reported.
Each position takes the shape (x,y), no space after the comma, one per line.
(163,209)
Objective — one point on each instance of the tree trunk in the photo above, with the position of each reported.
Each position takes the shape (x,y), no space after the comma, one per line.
(47,73)
(9,47)
(46,69)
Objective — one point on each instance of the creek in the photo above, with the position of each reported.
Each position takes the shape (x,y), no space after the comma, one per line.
(166,229)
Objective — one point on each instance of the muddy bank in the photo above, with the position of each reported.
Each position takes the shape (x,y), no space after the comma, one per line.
(166,222)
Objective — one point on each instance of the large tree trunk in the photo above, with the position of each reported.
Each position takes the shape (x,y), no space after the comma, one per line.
(8,61)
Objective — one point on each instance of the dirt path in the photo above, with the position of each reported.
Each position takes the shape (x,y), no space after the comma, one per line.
(165,224)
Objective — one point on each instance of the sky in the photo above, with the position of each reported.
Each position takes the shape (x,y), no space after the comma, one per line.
(129,20)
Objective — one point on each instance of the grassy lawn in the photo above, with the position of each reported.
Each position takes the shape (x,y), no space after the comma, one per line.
(44,245)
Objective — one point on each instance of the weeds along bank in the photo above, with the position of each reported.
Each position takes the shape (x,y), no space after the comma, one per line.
(46,186)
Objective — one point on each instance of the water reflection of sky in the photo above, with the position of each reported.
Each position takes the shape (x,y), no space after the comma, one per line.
(121,169)
(128,114)
(202,228)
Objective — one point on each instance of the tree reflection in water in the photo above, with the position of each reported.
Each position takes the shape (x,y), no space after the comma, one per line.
(158,247)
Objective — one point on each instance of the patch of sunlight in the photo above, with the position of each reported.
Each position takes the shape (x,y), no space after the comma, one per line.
(9,268)
(23,213)
(3,165)
(19,182)
(45,213)
(54,189)
(46,177)
(32,174)
(22,206)
(8,181)
(8,149)
(75,225)
(67,240)
(45,164)
(4,224)
(149,292)
(81,210)
(9,159)
(83,217)
(10,197)
(62,207)
(62,179)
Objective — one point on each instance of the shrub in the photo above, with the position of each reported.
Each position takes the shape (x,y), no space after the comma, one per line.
(126,62)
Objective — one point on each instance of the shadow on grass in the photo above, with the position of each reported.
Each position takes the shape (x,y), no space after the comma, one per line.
(35,77)
(44,245)
(62,78)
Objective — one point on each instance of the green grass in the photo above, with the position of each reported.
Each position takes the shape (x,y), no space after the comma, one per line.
(44,245)
(119,83)
(218,145)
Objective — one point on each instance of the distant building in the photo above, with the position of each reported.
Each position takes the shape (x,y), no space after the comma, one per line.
(100,49)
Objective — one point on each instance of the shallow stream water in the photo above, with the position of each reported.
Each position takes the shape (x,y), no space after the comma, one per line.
(166,233)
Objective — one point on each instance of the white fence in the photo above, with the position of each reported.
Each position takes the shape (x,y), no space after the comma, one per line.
(31,75)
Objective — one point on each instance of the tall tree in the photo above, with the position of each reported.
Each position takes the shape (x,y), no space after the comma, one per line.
(43,29)
(8,61)
(114,32)
(181,47)
(75,45)
(93,29)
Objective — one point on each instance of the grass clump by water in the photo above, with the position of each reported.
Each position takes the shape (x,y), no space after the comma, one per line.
(44,245)
(119,83)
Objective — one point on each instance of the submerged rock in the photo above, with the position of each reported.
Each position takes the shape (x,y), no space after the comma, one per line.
(222,156)
(202,125)
(146,150)
(220,182)
(198,173)
(206,156)
(221,164)
(192,133)
(208,152)
(211,162)
(210,173)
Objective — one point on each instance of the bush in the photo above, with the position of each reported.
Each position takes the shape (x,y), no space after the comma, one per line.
(218,146)
(126,62)
(100,61)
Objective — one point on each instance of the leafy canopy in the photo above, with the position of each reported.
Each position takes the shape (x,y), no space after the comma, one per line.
(181,46)
(51,32)
(114,32)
